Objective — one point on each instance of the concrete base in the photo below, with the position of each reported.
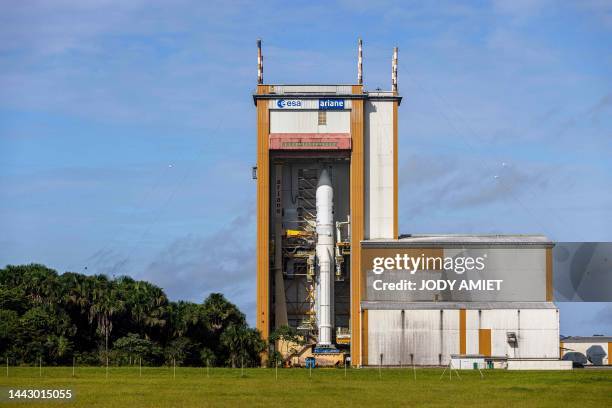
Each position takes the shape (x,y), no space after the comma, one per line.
(329,359)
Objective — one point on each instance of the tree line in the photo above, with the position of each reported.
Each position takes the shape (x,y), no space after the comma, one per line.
(55,318)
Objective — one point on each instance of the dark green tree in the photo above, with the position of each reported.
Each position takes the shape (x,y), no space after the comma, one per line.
(286,337)
(60,317)
(106,302)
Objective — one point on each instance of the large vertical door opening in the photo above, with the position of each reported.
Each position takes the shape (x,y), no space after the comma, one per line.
(294,280)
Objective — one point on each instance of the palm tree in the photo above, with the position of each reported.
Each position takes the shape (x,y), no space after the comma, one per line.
(242,343)
(146,303)
(151,308)
(255,345)
(178,326)
(77,290)
(39,283)
(207,356)
(106,302)
(233,339)
(219,313)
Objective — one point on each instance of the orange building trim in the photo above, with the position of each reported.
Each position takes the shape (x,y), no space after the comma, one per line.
(263,215)
(357,223)
(484,342)
(462,332)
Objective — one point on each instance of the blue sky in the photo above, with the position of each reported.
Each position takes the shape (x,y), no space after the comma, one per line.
(127,129)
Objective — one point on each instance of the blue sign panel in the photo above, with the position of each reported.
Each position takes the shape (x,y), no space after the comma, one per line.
(331,104)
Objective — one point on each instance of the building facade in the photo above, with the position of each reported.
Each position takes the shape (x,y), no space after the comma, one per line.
(348,137)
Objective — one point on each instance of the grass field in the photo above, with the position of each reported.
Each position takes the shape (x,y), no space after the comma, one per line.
(157,387)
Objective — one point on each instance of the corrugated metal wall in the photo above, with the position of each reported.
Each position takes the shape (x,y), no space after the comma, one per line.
(431,336)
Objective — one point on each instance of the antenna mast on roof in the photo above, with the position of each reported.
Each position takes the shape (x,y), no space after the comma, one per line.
(259,63)
(360,63)
(394,71)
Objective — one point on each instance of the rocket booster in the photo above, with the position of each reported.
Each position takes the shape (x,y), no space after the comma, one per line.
(325,257)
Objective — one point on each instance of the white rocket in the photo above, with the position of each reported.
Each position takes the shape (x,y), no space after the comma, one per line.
(325,258)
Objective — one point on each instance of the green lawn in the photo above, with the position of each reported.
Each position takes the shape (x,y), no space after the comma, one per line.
(327,387)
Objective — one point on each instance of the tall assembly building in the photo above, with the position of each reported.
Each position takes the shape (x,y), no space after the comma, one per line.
(327,205)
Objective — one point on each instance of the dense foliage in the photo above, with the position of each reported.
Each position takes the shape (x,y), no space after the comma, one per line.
(53,317)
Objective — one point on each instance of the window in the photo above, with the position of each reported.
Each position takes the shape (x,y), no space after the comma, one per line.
(322,118)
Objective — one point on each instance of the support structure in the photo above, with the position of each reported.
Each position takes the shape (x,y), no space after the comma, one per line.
(341,141)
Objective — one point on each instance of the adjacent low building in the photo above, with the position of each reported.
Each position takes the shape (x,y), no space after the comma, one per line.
(589,350)
(518,320)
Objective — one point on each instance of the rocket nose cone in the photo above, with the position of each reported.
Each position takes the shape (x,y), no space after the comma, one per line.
(324,179)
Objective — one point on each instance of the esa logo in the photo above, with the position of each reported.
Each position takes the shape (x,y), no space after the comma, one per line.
(289,103)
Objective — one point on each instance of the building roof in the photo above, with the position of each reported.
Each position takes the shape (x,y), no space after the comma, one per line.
(385,305)
(316,91)
(459,240)
(587,339)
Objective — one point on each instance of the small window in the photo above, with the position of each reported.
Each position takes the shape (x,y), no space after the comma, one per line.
(322,118)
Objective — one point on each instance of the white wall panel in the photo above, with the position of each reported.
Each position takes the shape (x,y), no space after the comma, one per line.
(423,336)
(307,121)
(378,169)
(542,343)
(499,319)
(423,341)
(471,328)
(384,336)
(450,338)
(428,333)
(539,319)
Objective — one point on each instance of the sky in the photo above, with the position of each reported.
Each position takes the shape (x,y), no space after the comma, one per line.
(127,129)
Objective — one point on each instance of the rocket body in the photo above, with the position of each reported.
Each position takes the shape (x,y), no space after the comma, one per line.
(325,258)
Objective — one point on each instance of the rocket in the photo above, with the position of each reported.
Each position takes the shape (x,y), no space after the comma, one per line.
(325,258)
